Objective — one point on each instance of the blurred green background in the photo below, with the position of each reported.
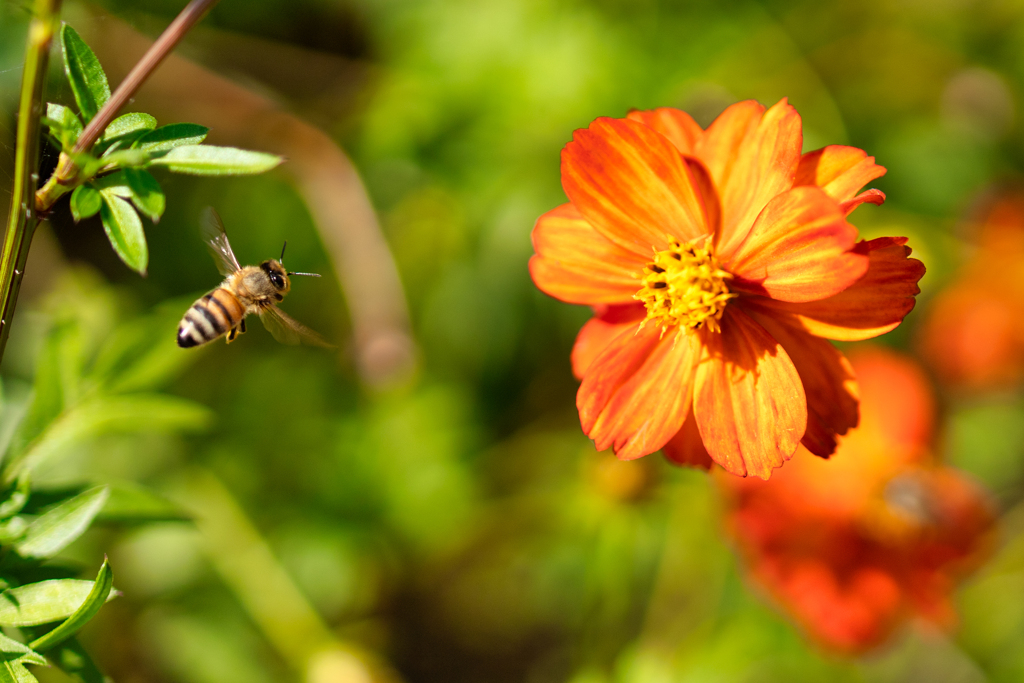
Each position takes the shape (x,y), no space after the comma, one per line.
(448,519)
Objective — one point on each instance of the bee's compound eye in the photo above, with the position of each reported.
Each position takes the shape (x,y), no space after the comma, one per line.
(277,280)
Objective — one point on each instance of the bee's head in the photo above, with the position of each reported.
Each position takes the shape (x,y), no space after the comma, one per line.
(278,276)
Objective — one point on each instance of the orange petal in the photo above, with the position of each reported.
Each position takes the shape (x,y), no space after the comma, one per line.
(599,331)
(839,170)
(577,264)
(632,185)
(876,197)
(828,379)
(800,249)
(686,447)
(676,125)
(636,394)
(749,401)
(874,305)
(752,158)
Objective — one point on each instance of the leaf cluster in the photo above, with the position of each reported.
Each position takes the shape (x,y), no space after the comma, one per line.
(112,177)
(83,389)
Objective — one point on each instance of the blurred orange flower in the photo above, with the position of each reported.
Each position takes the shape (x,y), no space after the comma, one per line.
(974,331)
(855,546)
(718,263)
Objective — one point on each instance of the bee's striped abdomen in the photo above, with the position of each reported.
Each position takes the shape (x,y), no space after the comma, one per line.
(210,317)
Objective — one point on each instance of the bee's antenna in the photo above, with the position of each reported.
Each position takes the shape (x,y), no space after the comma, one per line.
(281,260)
(309,274)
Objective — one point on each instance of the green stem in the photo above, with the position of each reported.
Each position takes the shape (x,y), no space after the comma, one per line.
(22,222)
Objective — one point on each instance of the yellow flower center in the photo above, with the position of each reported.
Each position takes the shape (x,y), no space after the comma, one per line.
(684,286)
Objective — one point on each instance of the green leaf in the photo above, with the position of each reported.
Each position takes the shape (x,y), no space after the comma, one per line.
(12,650)
(128,123)
(132,503)
(12,530)
(122,158)
(213,161)
(170,136)
(87,610)
(44,602)
(85,202)
(52,531)
(64,124)
(124,230)
(132,413)
(55,385)
(73,660)
(88,81)
(146,193)
(15,502)
(15,672)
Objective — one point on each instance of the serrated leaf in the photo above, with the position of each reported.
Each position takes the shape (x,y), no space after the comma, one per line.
(124,230)
(146,193)
(85,202)
(73,660)
(129,123)
(88,81)
(44,602)
(170,136)
(99,594)
(208,160)
(52,531)
(133,413)
(12,650)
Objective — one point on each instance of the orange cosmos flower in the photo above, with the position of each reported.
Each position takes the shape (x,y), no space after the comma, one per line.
(854,547)
(718,263)
(974,332)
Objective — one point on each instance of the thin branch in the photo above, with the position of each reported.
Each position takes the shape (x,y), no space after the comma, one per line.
(22,221)
(167,41)
(64,176)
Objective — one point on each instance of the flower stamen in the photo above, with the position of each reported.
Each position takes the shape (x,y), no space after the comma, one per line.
(684,286)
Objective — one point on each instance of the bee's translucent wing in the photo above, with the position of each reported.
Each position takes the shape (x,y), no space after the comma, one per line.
(287,330)
(217,242)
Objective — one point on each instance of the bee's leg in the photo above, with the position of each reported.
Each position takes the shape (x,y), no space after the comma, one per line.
(232,333)
(242,326)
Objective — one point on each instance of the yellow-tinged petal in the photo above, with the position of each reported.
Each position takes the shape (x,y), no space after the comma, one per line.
(749,401)
(577,264)
(632,185)
(752,158)
(839,170)
(676,125)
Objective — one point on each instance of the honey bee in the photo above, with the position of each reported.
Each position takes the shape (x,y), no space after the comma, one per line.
(252,289)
